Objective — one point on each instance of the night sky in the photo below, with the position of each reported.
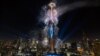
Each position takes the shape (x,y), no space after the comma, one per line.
(21,17)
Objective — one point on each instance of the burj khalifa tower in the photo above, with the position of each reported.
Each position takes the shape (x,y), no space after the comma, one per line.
(51,25)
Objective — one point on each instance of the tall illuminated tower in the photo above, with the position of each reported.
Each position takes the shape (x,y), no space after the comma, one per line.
(52,22)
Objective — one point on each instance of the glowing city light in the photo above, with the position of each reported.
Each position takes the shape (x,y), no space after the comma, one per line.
(45,42)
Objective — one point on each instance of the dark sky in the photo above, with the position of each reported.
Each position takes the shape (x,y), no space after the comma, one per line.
(22,17)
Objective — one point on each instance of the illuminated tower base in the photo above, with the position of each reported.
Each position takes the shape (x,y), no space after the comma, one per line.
(52,46)
(54,54)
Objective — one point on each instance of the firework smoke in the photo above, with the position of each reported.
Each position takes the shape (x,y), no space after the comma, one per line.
(65,8)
